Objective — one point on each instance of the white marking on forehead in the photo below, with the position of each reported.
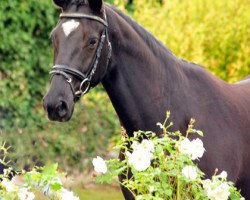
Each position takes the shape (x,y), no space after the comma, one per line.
(69,26)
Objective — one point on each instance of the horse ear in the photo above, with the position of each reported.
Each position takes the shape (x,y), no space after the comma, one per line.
(61,3)
(96,5)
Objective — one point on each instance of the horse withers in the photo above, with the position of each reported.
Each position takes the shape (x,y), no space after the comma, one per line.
(95,42)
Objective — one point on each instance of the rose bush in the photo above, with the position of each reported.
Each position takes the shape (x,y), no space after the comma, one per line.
(45,180)
(163,168)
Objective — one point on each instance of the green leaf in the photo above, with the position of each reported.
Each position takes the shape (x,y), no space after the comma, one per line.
(168,192)
(56,186)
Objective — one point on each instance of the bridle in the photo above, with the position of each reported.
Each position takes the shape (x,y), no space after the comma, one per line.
(85,78)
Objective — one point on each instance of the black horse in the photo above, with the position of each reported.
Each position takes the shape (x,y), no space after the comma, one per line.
(143,80)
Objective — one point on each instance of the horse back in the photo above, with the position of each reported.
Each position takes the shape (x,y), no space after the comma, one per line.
(245,81)
(242,90)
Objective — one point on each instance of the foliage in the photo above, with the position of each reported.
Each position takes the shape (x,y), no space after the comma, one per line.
(24,55)
(164,168)
(214,34)
(45,180)
(70,144)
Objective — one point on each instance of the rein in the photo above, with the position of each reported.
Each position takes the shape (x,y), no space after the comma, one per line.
(85,78)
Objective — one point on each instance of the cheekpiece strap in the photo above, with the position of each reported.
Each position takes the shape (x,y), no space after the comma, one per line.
(85,78)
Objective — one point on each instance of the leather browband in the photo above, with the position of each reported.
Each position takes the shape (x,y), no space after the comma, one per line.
(81,15)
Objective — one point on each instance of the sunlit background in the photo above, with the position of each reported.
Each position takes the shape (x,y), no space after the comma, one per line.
(214,34)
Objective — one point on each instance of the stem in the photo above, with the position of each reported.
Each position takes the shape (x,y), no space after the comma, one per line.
(178,189)
(134,195)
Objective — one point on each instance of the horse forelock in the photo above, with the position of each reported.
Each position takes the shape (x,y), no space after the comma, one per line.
(80,2)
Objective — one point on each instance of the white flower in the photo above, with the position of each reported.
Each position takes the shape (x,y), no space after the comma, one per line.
(145,145)
(151,188)
(128,154)
(216,192)
(223,175)
(24,194)
(9,185)
(99,165)
(67,195)
(185,147)
(140,159)
(135,145)
(148,145)
(194,148)
(139,197)
(206,184)
(219,193)
(190,172)
(197,149)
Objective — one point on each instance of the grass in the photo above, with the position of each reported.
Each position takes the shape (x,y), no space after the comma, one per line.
(100,193)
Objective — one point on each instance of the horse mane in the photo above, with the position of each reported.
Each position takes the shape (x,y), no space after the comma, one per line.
(154,44)
(160,50)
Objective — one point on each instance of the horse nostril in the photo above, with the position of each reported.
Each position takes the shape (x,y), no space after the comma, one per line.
(61,109)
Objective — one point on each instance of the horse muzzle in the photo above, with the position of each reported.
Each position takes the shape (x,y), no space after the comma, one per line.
(59,100)
(58,111)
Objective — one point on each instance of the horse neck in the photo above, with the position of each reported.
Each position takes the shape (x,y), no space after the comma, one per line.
(144,80)
(139,75)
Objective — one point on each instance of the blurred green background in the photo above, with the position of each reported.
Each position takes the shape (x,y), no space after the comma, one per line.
(214,34)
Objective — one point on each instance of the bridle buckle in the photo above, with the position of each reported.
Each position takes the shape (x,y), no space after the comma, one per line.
(84,87)
(69,80)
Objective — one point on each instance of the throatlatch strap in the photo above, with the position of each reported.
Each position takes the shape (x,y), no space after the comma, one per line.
(64,70)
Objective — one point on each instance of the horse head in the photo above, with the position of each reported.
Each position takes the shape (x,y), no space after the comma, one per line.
(81,55)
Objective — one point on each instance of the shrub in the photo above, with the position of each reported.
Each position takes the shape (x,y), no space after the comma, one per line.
(214,34)
(39,181)
(164,168)
(25,56)
(43,181)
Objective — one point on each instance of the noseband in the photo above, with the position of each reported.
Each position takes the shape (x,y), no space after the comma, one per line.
(85,78)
